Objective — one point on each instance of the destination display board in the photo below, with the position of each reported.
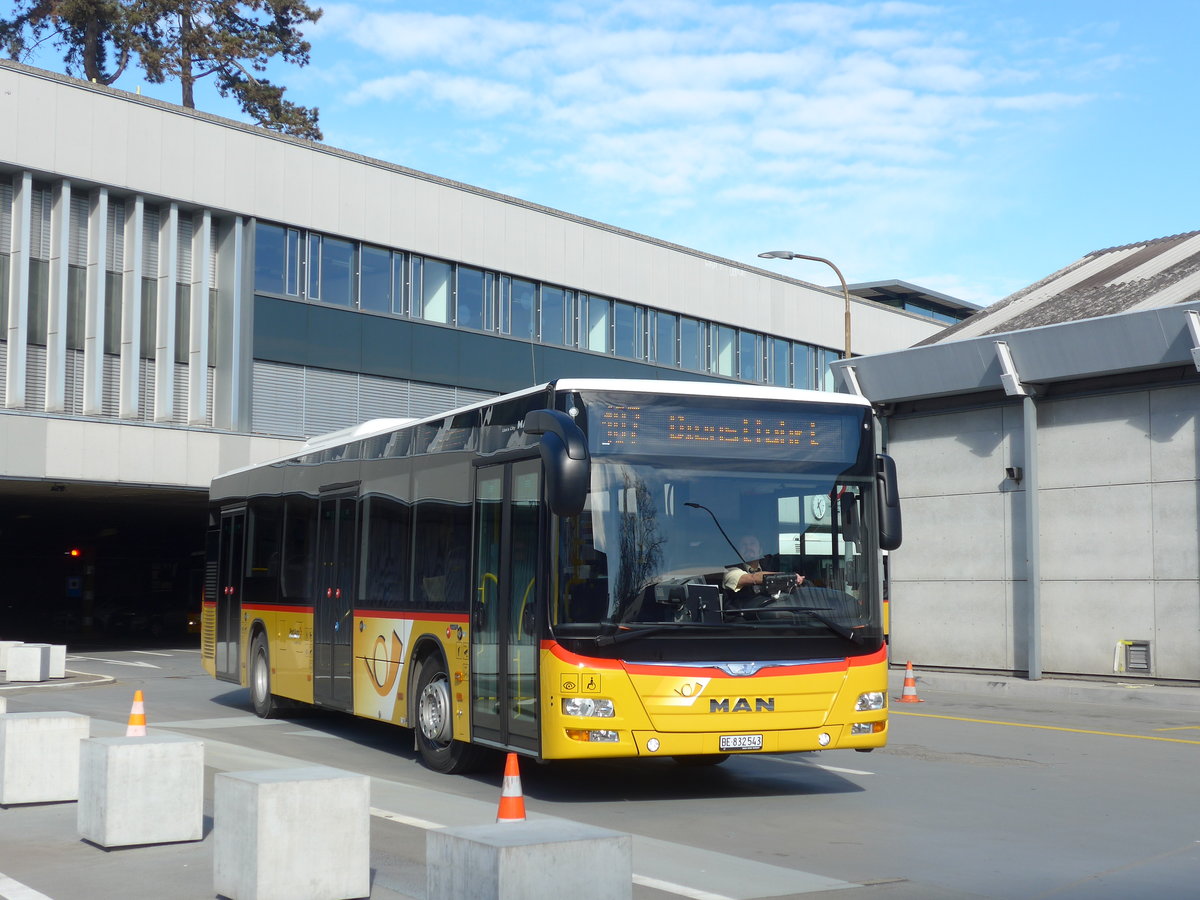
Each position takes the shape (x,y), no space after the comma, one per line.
(694,427)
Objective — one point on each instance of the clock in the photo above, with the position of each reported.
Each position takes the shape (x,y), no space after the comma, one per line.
(820,506)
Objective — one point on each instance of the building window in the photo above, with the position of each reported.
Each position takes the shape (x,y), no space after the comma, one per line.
(629,330)
(435,290)
(339,271)
(780,363)
(553,315)
(665,338)
(723,350)
(523,309)
(803,366)
(375,280)
(749,356)
(692,348)
(599,323)
(469,299)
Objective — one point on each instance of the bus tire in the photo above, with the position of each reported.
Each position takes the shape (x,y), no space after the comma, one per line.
(266,705)
(703,759)
(435,723)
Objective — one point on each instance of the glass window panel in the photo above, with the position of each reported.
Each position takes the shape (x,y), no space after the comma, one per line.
(666,328)
(270,258)
(338,271)
(469,312)
(293,262)
(399,281)
(825,379)
(376,279)
(748,354)
(523,308)
(598,317)
(314,266)
(781,363)
(490,296)
(415,292)
(691,344)
(628,334)
(113,302)
(553,314)
(435,290)
(803,366)
(723,350)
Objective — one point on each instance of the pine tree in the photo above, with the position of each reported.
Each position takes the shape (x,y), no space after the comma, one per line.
(186,40)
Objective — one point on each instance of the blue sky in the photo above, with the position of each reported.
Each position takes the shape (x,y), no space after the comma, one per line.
(971,147)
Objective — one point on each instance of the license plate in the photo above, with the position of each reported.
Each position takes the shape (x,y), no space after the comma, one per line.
(741,742)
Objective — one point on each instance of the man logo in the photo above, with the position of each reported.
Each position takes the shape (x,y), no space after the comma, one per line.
(741,704)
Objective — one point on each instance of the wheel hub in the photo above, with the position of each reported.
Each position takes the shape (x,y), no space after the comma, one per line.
(433,711)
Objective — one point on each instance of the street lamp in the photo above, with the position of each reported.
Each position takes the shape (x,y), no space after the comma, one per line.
(788,254)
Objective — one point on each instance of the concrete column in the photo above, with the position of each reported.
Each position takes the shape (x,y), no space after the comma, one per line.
(95,301)
(164,344)
(198,332)
(131,310)
(56,314)
(235,325)
(18,291)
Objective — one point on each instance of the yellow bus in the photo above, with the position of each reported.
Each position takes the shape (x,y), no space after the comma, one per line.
(588,568)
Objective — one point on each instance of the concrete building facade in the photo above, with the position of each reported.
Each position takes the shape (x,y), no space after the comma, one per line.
(1050,456)
(181,295)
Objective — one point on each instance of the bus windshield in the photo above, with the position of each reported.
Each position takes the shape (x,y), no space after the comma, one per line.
(716,515)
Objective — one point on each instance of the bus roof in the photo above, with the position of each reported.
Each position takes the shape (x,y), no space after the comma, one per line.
(374,427)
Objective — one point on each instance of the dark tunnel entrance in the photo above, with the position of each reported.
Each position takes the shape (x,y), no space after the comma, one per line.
(85,563)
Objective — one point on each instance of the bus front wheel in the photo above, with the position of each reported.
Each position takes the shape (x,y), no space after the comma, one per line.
(435,724)
(265,704)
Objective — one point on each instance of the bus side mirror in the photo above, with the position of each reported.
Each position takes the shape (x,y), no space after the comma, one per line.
(565,460)
(890,531)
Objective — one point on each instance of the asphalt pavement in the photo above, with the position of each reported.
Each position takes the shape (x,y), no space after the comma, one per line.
(43,858)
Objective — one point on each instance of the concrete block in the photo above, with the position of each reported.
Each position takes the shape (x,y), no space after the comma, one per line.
(39,756)
(292,834)
(58,660)
(141,790)
(517,860)
(28,662)
(5,646)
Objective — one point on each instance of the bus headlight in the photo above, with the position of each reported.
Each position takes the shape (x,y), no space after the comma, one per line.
(601,737)
(867,727)
(870,700)
(588,706)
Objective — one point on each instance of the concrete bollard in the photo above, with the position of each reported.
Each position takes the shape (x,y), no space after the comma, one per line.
(517,860)
(28,662)
(292,834)
(5,646)
(141,790)
(58,659)
(39,756)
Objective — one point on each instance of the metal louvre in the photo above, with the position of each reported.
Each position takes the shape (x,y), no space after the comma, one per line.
(183,271)
(1137,656)
(330,400)
(382,398)
(6,196)
(150,241)
(110,402)
(278,399)
(114,253)
(3,368)
(430,399)
(78,229)
(39,222)
(35,377)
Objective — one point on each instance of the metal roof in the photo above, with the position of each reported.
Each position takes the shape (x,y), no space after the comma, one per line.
(1147,275)
(1115,311)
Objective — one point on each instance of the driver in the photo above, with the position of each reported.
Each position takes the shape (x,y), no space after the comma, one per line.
(750,577)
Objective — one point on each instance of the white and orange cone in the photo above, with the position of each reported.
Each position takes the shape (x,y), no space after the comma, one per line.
(909,694)
(137,717)
(512,801)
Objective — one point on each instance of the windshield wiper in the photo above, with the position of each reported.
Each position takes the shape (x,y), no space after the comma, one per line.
(620,633)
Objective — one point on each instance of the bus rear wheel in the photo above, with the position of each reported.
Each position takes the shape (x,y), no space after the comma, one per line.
(266,706)
(435,724)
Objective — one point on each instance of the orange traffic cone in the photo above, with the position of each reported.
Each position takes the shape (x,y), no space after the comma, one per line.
(137,717)
(910,687)
(512,801)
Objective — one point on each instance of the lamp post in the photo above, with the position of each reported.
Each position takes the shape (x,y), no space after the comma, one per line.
(788,254)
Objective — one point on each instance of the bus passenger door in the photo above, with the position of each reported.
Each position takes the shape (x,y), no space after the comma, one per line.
(229,594)
(505,618)
(333,605)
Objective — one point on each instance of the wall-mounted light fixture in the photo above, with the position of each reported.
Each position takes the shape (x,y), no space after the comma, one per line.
(1013,473)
